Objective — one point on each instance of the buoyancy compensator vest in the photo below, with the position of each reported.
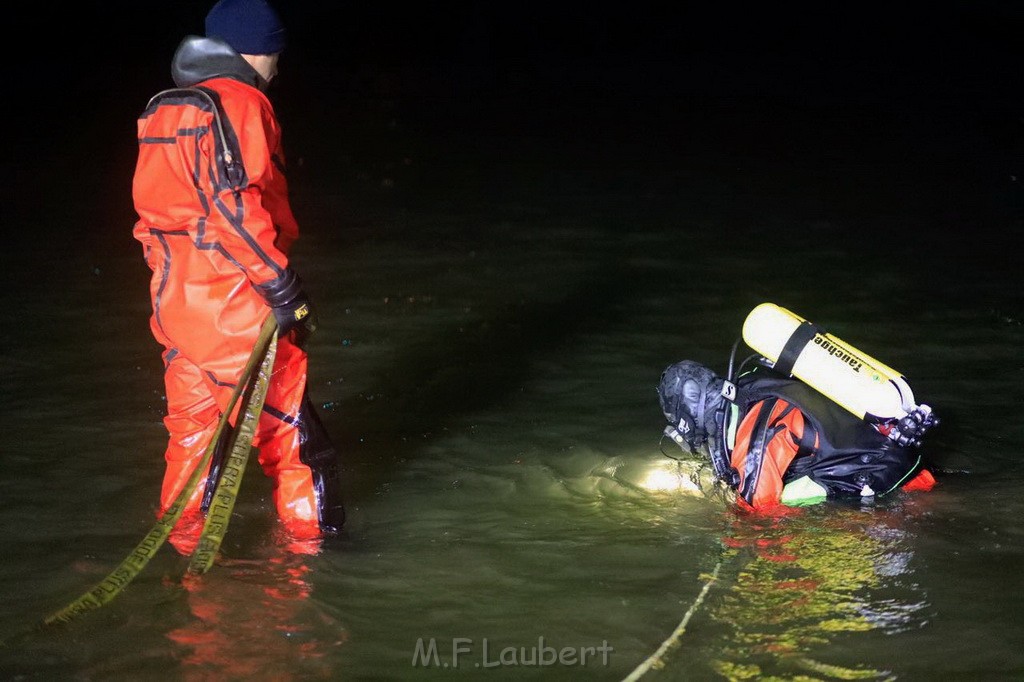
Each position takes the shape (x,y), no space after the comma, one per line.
(845,456)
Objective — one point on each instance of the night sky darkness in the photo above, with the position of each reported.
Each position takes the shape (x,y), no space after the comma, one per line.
(737,78)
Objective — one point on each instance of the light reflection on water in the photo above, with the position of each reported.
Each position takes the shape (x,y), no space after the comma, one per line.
(806,580)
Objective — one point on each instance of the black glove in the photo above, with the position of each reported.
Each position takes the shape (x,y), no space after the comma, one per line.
(291,306)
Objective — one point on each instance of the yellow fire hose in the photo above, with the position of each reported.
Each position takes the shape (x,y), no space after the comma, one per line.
(223,503)
(656,661)
(254,389)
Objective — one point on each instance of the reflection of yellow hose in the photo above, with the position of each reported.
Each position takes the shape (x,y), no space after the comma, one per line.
(111,586)
(837,671)
(795,587)
(797,591)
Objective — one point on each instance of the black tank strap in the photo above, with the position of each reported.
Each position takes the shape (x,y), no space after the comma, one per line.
(800,337)
(807,439)
(782,415)
(759,437)
(805,443)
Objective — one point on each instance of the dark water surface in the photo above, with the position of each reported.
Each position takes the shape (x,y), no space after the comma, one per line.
(499,289)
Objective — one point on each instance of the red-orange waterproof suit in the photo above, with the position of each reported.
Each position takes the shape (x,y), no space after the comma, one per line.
(216,227)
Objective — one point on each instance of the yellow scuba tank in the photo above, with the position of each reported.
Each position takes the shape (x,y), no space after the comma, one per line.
(856,381)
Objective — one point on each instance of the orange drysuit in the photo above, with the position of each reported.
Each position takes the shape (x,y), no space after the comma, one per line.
(216,227)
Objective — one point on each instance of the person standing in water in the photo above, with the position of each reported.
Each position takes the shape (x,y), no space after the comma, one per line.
(216,227)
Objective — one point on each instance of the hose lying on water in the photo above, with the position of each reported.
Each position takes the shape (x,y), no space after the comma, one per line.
(254,386)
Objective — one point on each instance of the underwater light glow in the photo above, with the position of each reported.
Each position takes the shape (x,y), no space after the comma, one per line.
(660,480)
(668,477)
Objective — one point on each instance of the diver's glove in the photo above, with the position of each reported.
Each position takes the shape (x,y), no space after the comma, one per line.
(290,304)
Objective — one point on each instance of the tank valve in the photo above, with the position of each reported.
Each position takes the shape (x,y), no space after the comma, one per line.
(909,429)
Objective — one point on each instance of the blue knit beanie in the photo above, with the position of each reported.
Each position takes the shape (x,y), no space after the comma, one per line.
(249,26)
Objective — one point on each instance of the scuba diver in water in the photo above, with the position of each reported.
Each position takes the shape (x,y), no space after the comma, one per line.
(814,419)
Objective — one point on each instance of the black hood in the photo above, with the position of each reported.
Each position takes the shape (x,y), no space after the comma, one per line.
(198,59)
(691,397)
(693,403)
